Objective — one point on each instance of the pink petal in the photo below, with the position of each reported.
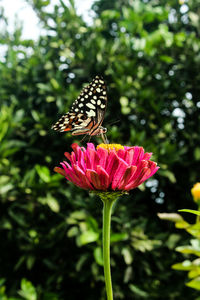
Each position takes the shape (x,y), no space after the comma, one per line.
(147,155)
(103,155)
(75,147)
(121,169)
(146,175)
(78,152)
(138,155)
(121,153)
(129,156)
(90,146)
(83,178)
(94,179)
(66,166)
(136,181)
(130,171)
(142,164)
(154,171)
(103,176)
(152,165)
(71,176)
(60,171)
(67,154)
(141,153)
(113,162)
(73,158)
(92,159)
(81,159)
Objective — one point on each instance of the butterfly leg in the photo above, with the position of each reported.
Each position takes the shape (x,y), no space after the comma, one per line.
(104,138)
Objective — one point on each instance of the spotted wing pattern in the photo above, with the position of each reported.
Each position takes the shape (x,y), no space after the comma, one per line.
(87,111)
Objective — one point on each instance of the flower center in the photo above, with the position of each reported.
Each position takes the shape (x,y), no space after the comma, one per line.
(109,147)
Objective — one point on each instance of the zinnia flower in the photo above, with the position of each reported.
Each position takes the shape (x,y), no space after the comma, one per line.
(196,192)
(109,167)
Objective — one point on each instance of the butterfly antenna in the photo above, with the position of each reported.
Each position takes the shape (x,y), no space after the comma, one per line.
(114,122)
(84,138)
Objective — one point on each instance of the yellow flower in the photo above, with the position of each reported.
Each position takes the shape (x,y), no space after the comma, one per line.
(196,191)
(110,146)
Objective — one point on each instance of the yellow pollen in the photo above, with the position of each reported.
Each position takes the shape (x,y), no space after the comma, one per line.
(196,191)
(108,147)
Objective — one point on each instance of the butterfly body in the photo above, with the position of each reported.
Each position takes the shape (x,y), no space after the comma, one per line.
(87,112)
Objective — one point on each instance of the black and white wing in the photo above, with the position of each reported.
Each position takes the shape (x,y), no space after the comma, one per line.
(87,111)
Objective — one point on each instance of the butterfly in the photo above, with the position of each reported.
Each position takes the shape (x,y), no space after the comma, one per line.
(87,112)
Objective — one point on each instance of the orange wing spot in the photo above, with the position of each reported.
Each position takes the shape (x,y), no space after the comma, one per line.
(68,129)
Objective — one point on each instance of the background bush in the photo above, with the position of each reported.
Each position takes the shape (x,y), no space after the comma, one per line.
(149,55)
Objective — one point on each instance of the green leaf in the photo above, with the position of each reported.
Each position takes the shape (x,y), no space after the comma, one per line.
(27,291)
(73,231)
(195,283)
(169,175)
(44,87)
(30,262)
(110,14)
(6,188)
(197,153)
(137,291)
(170,217)
(195,272)
(51,202)
(87,237)
(78,215)
(186,265)
(44,173)
(2,281)
(173,240)
(127,254)
(167,59)
(55,84)
(98,256)
(195,212)
(35,115)
(92,224)
(118,237)
(188,250)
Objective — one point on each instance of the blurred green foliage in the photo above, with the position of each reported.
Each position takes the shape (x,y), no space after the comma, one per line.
(148,53)
(191,250)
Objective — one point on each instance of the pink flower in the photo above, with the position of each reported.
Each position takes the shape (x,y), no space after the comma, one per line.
(109,167)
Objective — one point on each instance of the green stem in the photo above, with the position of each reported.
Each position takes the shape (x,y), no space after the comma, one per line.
(107,207)
(198,217)
(108,199)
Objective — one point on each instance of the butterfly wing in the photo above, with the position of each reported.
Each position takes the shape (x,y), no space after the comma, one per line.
(87,111)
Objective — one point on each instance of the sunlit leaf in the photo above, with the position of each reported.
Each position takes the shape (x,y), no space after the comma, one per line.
(195,212)
(87,237)
(195,283)
(27,291)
